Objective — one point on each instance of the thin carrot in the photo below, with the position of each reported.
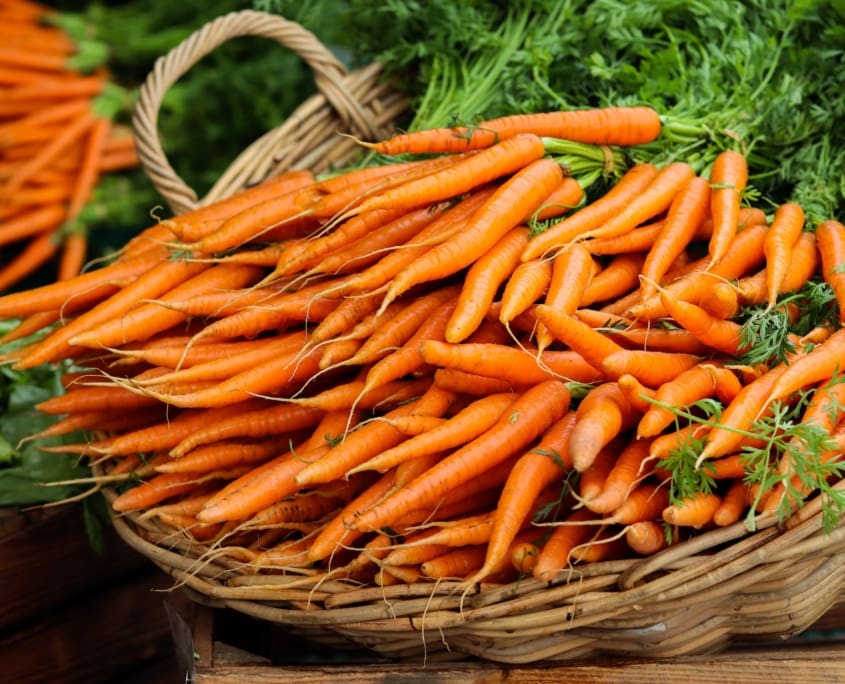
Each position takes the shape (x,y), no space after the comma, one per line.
(482,282)
(590,344)
(26,262)
(529,416)
(553,557)
(627,470)
(604,126)
(512,202)
(781,237)
(371,438)
(654,199)
(594,214)
(518,366)
(260,422)
(77,128)
(221,455)
(717,333)
(830,238)
(728,178)
(685,215)
(534,471)
(732,504)
(469,423)
(591,480)
(572,271)
(804,261)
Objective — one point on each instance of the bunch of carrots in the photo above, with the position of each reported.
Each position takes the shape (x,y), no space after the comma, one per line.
(57,136)
(456,365)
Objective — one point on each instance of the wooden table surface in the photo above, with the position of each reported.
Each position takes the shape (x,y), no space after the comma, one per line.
(818,656)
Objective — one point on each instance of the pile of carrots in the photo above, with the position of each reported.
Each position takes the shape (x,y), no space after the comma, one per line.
(57,135)
(454,366)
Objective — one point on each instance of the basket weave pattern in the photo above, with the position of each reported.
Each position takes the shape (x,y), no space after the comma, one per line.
(352,102)
(700,596)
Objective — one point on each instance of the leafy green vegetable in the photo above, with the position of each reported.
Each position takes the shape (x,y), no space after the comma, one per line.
(763,76)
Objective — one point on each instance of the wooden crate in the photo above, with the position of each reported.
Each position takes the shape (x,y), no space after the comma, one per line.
(219,646)
(72,615)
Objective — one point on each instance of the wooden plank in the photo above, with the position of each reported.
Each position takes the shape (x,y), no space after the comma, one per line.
(808,665)
(801,659)
(46,560)
(111,635)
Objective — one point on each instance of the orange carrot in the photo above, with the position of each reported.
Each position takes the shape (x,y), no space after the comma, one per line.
(594,214)
(627,470)
(601,415)
(728,178)
(685,215)
(590,344)
(514,201)
(527,284)
(696,511)
(529,416)
(605,126)
(534,471)
(504,362)
(619,277)
(830,237)
(482,282)
(651,202)
(469,423)
(554,554)
(780,239)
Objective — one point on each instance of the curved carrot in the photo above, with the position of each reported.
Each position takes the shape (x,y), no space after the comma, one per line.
(601,415)
(594,214)
(482,282)
(700,381)
(619,277)
(752,289)
(728,178)
(530,415)
(717,333)
(514,200)
(830,238)
(686,213)
(627,470)
(528,282)
(780,239)
(817,365)
(591,345)
(732,505)
(554,554)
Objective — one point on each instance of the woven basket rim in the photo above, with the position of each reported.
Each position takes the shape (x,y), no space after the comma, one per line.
(695,597)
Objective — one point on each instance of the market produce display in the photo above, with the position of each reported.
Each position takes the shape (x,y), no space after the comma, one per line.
(358,319)
(494,352)
(57,136)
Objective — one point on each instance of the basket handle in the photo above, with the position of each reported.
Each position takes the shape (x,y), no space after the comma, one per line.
(330,76)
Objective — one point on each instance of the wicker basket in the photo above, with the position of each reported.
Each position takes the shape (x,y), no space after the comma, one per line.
(355,102)
(723,587)
(719,588)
